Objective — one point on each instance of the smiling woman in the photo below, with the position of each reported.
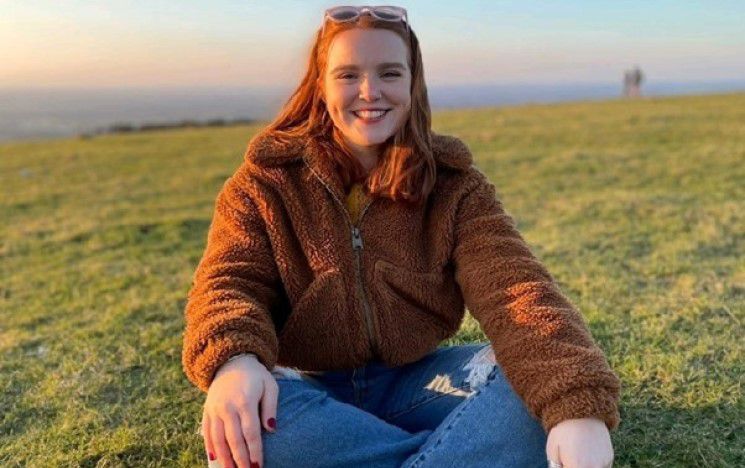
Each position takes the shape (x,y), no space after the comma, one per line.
(329,315)
(366,89)
(364,100)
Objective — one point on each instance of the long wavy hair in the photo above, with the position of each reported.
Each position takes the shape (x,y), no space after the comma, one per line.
(406,167)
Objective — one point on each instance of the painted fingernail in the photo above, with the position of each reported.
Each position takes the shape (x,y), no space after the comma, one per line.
(211,455)
(255,465)
(272,423)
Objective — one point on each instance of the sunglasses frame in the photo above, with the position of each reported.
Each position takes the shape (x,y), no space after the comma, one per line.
(360,10)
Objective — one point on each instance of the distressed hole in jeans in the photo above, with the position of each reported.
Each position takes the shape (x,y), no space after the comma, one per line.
(481,365)
(443,384)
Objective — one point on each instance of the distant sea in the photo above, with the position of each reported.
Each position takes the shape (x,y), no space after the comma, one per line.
(49,113)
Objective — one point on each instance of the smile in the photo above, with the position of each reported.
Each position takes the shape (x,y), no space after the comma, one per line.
(371,116)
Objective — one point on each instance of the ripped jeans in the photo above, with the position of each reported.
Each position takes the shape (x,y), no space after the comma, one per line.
(452,408)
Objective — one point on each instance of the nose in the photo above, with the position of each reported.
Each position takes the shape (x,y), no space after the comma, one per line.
(369,90)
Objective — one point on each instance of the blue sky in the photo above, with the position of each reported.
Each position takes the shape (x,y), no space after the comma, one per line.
(245,43)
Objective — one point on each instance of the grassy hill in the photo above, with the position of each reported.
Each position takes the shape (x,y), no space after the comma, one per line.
(636,207)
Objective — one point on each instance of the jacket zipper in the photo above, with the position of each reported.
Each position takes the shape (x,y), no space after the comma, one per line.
(357,248)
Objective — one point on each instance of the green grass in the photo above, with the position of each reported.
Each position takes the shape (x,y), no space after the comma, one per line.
(636,207)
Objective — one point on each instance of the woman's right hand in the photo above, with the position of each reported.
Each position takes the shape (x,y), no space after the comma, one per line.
(230,423)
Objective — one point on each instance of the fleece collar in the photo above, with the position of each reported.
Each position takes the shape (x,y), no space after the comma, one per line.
(265,151)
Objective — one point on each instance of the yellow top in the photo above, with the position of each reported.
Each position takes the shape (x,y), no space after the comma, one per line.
(356,199)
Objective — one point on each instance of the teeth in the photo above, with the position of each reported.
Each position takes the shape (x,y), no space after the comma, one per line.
(369,114)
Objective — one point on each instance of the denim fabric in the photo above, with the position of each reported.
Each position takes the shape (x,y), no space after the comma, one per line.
(452,408)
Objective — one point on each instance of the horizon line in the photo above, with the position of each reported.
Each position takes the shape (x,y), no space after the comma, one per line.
(647,81)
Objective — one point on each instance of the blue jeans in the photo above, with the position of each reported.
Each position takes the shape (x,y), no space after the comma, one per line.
(452,408)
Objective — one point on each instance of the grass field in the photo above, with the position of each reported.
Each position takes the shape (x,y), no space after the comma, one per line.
(636,207)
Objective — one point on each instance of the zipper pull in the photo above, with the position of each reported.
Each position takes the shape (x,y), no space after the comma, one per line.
(356,238)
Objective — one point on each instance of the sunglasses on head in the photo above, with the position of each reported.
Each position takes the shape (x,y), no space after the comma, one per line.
(344,14)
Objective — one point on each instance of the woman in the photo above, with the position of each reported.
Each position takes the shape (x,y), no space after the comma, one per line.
(345,248)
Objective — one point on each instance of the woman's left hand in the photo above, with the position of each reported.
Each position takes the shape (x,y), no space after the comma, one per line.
(580,443)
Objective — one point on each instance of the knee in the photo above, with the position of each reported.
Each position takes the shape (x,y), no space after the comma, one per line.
(481,367)
(296,394)
(301,410)
(484,370)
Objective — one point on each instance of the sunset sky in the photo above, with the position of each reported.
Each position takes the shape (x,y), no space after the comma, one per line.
(250,43)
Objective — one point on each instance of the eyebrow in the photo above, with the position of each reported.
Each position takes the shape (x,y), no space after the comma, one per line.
(382,65)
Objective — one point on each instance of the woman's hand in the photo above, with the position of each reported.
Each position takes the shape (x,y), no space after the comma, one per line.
(580,443)
(230,423)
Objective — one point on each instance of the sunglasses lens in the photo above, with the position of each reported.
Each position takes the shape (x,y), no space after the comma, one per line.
(387,14)
(342,13)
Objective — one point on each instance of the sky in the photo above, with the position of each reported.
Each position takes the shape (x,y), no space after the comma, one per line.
(168,43)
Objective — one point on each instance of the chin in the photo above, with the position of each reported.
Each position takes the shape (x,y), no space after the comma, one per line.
(372,139)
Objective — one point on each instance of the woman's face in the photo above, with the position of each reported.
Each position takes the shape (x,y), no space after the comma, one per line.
(367,69)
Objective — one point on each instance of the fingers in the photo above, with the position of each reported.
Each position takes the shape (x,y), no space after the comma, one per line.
(219,444)
(233,430)
(234,435)
(552,451)
(207,436)
(269,403)
(251,428)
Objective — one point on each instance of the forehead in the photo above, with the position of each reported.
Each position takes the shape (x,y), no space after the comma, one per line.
(366,47)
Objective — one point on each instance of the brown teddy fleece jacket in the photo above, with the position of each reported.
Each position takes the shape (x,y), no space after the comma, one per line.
(289,276)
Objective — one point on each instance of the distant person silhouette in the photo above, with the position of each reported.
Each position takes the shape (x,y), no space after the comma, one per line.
(632,80)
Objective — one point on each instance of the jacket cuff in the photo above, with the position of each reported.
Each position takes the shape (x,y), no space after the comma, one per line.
(222,347)
(237,355)
(583,403)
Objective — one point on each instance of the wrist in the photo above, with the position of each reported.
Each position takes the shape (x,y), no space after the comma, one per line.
(240,355)
(223,368)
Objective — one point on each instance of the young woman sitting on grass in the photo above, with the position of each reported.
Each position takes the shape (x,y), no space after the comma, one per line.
(343,251)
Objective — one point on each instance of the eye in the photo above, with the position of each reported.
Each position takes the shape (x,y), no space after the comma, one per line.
(388,74)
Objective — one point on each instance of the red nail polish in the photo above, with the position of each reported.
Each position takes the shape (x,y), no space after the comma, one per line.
(255,465)
(211,455)
(272,423)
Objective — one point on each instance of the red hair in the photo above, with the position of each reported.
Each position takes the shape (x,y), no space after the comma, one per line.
(406,166)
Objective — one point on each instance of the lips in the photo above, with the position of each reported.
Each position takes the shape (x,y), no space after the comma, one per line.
(371,115)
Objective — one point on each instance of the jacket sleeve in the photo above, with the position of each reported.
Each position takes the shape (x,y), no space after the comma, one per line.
(233,288)
(540,340)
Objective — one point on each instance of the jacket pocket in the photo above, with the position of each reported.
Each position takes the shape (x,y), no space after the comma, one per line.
(415,309)
(316,333)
